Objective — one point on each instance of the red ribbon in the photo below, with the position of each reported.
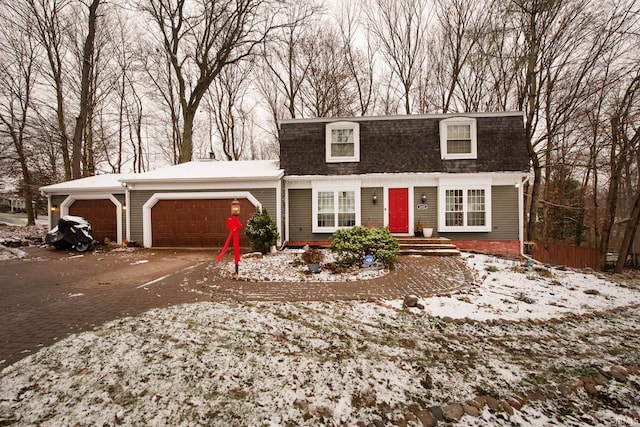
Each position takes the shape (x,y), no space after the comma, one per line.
(233,225)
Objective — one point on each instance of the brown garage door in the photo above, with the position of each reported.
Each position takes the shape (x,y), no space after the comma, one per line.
(101,214)
(195,223)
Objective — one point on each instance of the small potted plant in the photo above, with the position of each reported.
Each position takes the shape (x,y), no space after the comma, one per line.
(417,232)
(313,258)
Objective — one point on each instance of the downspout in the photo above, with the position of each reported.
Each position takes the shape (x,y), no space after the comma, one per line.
(521,185)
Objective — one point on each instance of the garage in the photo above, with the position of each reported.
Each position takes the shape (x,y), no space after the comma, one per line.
(101,214)
(195,222)
(101,199)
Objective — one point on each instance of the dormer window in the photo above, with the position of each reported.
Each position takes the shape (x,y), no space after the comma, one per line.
(342,142)
(458,138)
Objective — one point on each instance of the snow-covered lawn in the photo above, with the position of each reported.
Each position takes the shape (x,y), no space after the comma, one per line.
(344,363)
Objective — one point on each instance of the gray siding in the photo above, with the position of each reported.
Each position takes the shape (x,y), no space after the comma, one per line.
(504,213)
(266,196)
(428,217)
(300,216)
(372,214)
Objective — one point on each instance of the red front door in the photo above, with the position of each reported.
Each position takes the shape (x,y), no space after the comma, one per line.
(399,210)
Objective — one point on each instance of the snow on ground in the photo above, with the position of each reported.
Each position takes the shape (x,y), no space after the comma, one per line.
(344,363)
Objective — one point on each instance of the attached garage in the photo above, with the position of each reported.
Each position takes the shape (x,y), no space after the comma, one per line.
(187,205)
(100,199)
(101,214)
(195,222)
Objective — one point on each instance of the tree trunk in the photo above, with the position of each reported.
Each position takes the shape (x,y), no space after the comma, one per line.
(87,65)
(612,194)
(186,145)
(629,232)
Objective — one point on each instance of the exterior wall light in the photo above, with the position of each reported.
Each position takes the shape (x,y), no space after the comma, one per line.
(374,199)
(235,207)
(424,198)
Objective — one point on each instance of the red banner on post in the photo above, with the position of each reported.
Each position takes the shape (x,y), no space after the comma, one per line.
(234,226)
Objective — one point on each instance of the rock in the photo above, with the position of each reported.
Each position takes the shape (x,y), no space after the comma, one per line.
(492,403)
(589,386)
(478,402)
(409,417)
(447,319)
(506,407)
(633,369)
(255,255)
(410,301)
(515,403)
(420,306)
(378,423)
(471,410)
(437,413)
(426,418)
(618,376)
(453,412)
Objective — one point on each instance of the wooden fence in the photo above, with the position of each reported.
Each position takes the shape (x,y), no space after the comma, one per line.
(571,256)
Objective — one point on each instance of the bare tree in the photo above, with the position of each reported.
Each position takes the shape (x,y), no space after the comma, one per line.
(400,28)
(232,118)
(18,75)
(201,38)
(329,89)
(359,57)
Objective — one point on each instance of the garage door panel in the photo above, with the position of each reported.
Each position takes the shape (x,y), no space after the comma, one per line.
(195,222)
(101,214)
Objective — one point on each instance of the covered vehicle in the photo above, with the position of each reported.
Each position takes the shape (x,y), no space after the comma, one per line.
(72,232)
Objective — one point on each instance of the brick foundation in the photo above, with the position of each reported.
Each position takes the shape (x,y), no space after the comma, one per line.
(508,249)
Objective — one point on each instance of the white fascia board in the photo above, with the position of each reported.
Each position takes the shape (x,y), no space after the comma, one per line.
(404,117)
(203,185)
(76,190)
(416,179)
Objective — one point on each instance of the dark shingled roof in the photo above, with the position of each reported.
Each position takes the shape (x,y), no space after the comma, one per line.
(404,144)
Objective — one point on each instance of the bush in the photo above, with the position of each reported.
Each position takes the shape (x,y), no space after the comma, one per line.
(353,244)
(261,231)
(312,256)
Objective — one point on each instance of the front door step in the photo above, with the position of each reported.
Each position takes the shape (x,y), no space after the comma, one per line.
(427,246)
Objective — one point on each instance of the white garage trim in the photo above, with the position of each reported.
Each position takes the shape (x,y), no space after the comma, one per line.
(66,204)
(147,237)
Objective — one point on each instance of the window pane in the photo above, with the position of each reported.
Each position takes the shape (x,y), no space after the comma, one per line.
(454,217)
(476,208)
(458,139)
(346,208)
(342,143)
(459,146)
(326,213)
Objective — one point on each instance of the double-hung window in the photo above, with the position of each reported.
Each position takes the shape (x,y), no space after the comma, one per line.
(465,208)
(342,142)
(335,208)
(458,138)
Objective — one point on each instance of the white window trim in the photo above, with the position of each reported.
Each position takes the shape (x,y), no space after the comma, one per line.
(335,187)
(442,191)
(443,138)
(356,142)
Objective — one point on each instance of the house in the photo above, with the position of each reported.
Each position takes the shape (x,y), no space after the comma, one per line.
(460,173)
(177,206)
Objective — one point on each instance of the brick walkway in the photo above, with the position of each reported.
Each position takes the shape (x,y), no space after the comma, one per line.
(44,300)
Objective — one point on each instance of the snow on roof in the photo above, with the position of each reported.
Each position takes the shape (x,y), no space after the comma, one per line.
(211,170)
(97,183)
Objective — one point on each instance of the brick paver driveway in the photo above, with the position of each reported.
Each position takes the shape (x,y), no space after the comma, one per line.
(53,294)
